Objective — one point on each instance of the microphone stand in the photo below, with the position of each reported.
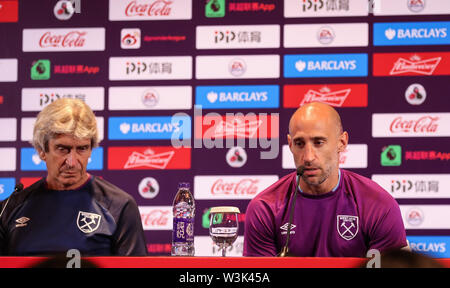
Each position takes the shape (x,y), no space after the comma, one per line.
(285,250)
(18,187)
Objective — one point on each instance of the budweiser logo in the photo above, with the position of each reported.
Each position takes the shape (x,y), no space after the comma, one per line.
(150,8)
(73,39)
(243,187)
(149,159)
(325,95)
(415,65)
(237,127)
(425,124)
(155,218)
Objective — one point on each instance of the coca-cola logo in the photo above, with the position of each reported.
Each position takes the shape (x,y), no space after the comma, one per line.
(71,39)
(155,218)
(425,124)
(151,8)
(245,186)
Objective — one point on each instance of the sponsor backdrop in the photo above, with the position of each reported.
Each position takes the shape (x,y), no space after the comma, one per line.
(201,91)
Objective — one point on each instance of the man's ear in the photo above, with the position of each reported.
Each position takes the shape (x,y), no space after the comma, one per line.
(289,139)
(343,141)
(41,154)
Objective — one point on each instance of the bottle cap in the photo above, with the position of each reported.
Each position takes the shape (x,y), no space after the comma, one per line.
(225,209)
(184,185)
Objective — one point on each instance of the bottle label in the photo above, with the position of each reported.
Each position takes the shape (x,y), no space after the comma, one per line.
(183,230)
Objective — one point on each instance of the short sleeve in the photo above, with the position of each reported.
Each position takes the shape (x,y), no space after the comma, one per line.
(259,234)
(129,238)
(388,232)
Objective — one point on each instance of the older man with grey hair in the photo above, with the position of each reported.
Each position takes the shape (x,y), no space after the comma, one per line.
(70,208)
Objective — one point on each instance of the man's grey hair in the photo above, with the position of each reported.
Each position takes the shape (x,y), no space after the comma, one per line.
(65,117)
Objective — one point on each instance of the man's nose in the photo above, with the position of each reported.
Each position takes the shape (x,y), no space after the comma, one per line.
(309,155)
(70,159)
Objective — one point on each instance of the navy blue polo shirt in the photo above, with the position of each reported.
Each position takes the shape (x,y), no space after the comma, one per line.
(97,218)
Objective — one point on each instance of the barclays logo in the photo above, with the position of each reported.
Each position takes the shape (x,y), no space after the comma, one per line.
(325,65)
(411,33)
(30,160)
(95,162)
(149,128)
(6,187)
(433,246)
(217,97)
(126,127)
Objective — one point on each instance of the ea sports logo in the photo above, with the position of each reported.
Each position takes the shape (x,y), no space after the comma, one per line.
(325,35)
(414,216)
(416,6)
(237,67)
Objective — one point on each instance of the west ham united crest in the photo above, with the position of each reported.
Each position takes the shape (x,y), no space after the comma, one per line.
(88,222)
(347,226)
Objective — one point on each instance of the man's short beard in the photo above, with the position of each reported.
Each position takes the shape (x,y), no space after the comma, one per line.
(321,180)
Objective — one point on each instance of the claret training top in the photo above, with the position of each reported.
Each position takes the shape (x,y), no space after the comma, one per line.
(356,216)
(97,218)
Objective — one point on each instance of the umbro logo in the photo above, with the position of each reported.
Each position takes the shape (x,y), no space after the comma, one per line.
(285,228)
(22,221)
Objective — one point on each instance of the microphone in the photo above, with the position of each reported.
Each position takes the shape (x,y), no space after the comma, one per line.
(285,250)
(17,188)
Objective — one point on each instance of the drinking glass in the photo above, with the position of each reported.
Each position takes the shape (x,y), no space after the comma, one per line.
(223,227)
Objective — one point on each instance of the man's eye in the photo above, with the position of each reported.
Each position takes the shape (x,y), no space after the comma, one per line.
(62,149)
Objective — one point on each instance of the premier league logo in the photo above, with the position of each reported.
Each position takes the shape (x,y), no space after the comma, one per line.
(88,222)
(347,226)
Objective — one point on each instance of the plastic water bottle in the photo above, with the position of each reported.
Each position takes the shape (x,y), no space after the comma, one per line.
(183,222)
